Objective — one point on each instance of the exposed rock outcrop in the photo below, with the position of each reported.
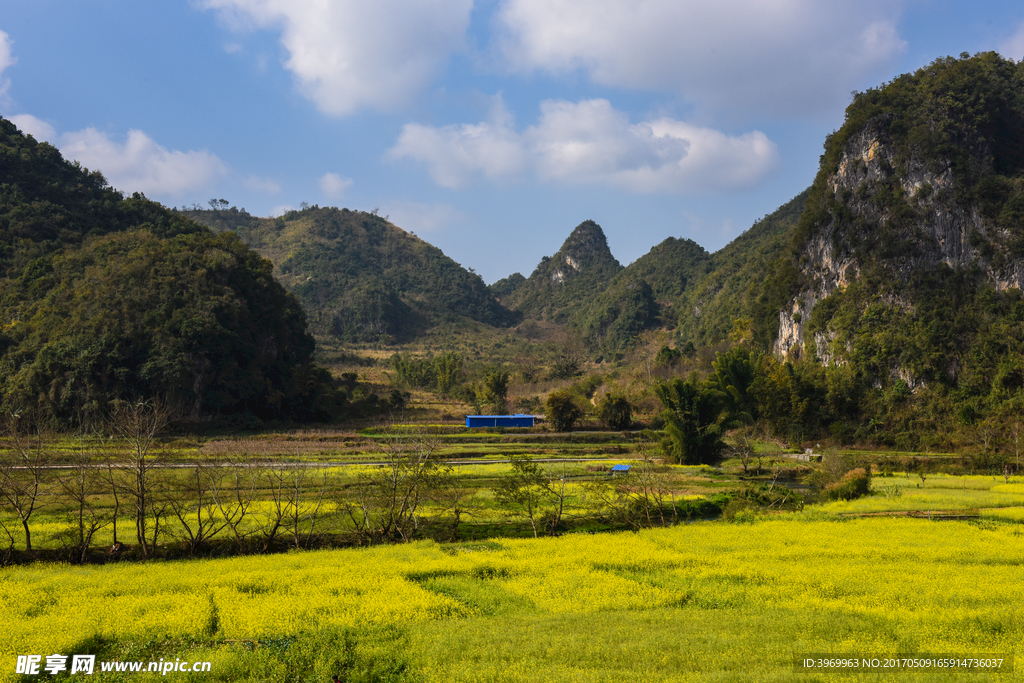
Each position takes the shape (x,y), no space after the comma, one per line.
(920,219)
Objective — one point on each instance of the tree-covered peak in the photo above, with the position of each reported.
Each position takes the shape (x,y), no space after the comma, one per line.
(587,247)
(360,277)
(958,116)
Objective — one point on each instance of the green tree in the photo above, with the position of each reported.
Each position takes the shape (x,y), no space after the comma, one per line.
(563,411)
(734,373)
(668,357)
(493,391)
(447,368)
(615,412)
(693,421)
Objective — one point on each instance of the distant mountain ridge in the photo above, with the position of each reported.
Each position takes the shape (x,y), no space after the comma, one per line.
(677,285)
(359,277)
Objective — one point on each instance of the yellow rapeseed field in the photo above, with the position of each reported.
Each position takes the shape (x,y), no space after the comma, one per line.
(896,584)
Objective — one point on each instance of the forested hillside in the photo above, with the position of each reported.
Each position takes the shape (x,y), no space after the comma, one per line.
(748,280)
(360,278)
(562,283)
(641,297)
(107,298)
(677,286)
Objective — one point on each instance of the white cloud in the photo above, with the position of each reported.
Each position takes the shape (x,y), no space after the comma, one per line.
(334,186)
(1013,47)
(348,54)
(281,210)
(768,56)
(7,59)
(37,128)
(456,154)
(140,164)
(589,142)
(715,160)
(420,218)
(264,185)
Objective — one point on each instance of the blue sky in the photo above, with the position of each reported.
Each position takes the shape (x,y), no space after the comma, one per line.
(490,128)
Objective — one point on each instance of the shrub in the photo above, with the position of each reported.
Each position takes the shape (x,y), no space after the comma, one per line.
(854,484)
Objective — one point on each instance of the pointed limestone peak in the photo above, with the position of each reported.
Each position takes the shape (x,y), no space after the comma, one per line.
(586,248)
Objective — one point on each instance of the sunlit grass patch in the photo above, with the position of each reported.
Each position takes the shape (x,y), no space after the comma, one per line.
(963,481)
(925,499)
(1015,514)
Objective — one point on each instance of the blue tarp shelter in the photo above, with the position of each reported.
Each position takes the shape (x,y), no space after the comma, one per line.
(499,420)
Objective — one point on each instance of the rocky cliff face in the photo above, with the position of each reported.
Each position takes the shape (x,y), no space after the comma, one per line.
(909,217)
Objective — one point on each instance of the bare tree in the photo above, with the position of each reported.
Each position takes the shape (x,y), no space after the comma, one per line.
(195,507)
(24,471)
(386,501)
(535,493)
(743,448)
(451,494)
(987,434)
(554,484)
(307,492)
(111,475)
(234,494)
(9,550)
(275,485)
(644,498)
(834,465)
(80,484)
(1016,434)
(645,350)
(136,425)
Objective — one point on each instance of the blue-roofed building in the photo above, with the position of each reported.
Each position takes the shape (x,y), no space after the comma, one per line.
(620,469)
(499,420)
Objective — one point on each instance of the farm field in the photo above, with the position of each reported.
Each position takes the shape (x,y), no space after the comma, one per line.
(733,599)
(311,489)
(705,601)
(298,489)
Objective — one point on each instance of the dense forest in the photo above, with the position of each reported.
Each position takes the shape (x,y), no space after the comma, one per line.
(108,298)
